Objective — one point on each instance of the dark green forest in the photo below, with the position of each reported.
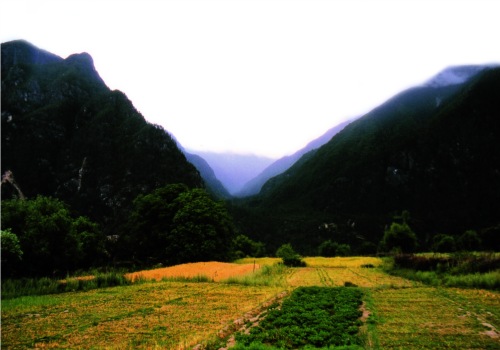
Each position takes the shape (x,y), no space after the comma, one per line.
(87,182)
(440,164)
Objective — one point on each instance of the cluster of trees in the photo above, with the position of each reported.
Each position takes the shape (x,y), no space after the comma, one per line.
(171,225)
(41,237)
(400,238)
(175,224)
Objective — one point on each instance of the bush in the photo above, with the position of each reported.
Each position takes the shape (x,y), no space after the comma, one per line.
(469,241)
(330,248)
(289,256)
(399,238)
(443,244)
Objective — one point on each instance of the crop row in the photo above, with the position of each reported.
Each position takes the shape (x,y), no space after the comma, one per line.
(311,316)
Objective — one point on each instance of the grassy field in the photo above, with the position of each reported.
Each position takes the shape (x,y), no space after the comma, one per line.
(168,314)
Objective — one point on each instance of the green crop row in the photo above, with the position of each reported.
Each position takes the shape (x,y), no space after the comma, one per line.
(311,317)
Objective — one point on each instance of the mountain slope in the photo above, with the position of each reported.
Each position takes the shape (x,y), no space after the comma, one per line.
(66,134)
(440,161)
(234,170)
(207,173)
(254,186)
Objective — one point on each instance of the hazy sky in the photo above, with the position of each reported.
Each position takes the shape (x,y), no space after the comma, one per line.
(261,76)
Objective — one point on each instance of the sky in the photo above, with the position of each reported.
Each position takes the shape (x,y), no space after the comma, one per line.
(260,77)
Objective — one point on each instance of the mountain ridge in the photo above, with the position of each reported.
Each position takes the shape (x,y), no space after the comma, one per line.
(66,134)
(440,162)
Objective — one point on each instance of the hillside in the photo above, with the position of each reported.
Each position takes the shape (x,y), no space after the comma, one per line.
(66,134)
(432,150)
(254,186)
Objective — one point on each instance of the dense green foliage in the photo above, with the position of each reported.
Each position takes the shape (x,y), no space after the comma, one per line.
(311,316)
(289,256)
(467,270)
(14,288)
(11,253)
(399,237)
(330,248)
(246,247)
(51,239)
(175,224)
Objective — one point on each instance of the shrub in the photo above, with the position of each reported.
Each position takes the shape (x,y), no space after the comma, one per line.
(289,256)
(399,237)
(443,244)
(469,240)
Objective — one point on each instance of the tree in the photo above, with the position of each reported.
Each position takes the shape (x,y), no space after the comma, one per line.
(330,248)
(145,235)
(51,239)
(203,229)
(443,243)
(11,252)
(175,224)
(289,256)
(469,240)
(399,237)
(244,246)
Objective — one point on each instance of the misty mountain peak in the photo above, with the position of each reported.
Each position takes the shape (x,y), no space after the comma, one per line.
(454,75)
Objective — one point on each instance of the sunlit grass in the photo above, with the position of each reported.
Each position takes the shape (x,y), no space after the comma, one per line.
(431,318)
(163,314)
(258,261)
(178,312)
(203,271)
(268,275)
(354,261)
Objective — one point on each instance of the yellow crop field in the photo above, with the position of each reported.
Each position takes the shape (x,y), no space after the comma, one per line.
(259,261)
(166,314)
(215,271)
(355,261)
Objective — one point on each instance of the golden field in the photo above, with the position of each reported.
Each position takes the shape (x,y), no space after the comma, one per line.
(213,270)
(166,314)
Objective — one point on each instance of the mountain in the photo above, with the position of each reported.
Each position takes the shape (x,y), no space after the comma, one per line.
(455,75)
(254,186)
(207,173)
(440,161)
(234,170)
(66,134)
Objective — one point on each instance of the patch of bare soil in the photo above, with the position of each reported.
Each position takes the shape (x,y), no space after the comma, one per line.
(492,332)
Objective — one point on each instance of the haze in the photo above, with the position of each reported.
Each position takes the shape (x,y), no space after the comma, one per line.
(260,77)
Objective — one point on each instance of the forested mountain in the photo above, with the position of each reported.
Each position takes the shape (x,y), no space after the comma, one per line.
(66,134)
(432,150)
(254,186)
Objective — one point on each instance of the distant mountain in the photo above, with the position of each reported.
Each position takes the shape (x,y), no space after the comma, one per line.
(66,134)
(207,173)
(234,170)
(254,186)
(438,160)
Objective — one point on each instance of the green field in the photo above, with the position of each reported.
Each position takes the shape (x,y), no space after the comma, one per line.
(398,313)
